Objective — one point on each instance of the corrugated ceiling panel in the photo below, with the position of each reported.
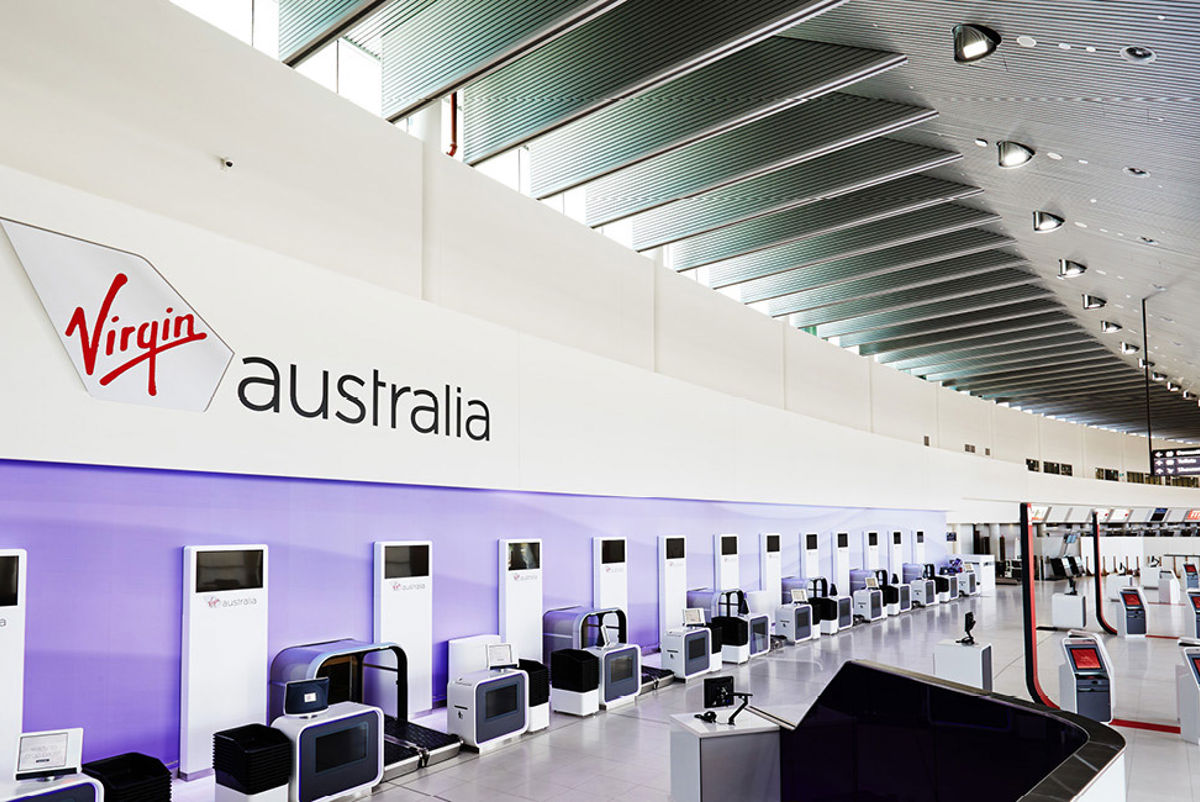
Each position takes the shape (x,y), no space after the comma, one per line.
(842,172)
(695,106)
(969,336)
(975,303)
(858,208)
(946,326)
(798,134)
(453,41)
(306,25)
(638,45)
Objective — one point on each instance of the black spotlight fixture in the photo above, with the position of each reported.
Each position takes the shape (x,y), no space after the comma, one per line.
(1173,387)
(1044,221)
(1093,301)
(973,42)
(1013,154)
(1106,326)
(1069,269)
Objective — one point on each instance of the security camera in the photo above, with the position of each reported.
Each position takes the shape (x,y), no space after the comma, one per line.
(226,164)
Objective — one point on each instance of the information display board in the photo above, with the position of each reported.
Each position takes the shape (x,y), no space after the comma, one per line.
(1175,461)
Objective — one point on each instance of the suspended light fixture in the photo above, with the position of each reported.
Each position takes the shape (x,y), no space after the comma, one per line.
(1069,269)
(1013,154)
(973,42)
(1129,348)
(1044,221)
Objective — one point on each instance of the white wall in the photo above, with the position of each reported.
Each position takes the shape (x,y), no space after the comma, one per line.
(339,242)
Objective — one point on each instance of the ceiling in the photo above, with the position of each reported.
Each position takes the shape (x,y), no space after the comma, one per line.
(830,164)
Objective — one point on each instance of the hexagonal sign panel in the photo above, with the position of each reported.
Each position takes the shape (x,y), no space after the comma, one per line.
(130,335)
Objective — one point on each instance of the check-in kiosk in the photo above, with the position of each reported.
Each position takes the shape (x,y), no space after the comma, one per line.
(687,649)
(968,582)
(743,634)
(223,667)
(770,561)
(810,559)
(922,588)
(1187,684)
(1193,597)
(839,569)
(918,547)
(349,664)
(726,568)
(48,769)
(1191,576)
(12,653)
(868,598)
(947,584)
(521,596)
(896,551)
(870,543)
(610,573)
(603,634)
(1132,621)
(794,620)
(337,752)
(1169,591)
(489,708)
(672,584)
(1085,678)
(404,616)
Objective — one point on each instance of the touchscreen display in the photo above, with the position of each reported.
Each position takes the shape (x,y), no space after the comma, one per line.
(872,539)
(696,648)
(1086,658)
(1131,599)
(729,545)
(896,538)
(524,556)
(1196,664)
(612,551)
(8,581)
(674,548)
(1195,601)
(404,562)
(229,570)
(810,542)
(772,543)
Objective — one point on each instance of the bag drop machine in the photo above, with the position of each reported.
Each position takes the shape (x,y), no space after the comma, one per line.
(603,633)
(743,635)
(362,672)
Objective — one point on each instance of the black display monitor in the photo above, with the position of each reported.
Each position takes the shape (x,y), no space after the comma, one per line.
(621,668)
(675,548)
(772,543)
(500,702)
(340,748)
(696,648)
(896,538)
(843,540)
(729,545)
(810,542)
(9,580)
(872,538)
(303,697)
(1159,515)
(612,551)
(920,537)
(524,556)
(229,570)
(405,562)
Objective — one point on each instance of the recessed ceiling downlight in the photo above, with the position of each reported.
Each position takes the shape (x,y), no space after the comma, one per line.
(1138,55)
(973,42)
(1045,221)
(1013,154)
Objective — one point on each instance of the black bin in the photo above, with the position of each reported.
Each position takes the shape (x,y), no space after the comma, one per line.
(539,681)
(574,670)
(131,777)
(252,758)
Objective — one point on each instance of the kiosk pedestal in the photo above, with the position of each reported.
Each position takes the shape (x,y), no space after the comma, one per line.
(720,761)
(1132,622)
(985,572)
(1067,611)
(1169,591)
(962,663)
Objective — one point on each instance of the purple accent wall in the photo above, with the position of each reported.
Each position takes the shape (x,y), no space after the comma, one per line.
(105,565)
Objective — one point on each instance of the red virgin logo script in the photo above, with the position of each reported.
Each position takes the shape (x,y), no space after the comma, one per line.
(142,342)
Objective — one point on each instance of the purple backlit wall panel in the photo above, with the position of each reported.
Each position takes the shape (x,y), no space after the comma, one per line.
(105,563)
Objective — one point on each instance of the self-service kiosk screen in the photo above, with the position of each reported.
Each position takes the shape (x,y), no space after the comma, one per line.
(403,562)
(675,548)
(1196,602)
(810,542)
(1188,568)
(1085,658)
(696,648)
(872,538)
(1159,515)
(500,702)
(621,668)
(1131,599)
(340,748)
(920,537)
(1196,665)
(843,540)
(729,545)
(8,581)
(229,570)
(772,543)
(524,556)
(612,551)
(896,538)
